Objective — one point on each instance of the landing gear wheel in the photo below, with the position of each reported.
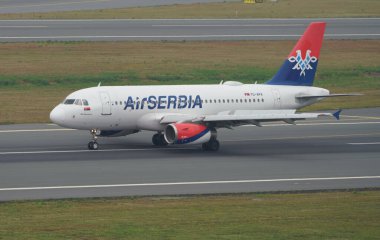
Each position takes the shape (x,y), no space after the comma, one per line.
(93,145)
(158,139)
(212,145)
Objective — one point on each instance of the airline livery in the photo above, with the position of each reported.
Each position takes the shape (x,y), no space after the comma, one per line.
(191,114)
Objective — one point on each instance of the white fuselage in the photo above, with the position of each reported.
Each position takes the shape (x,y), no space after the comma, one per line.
(141,107)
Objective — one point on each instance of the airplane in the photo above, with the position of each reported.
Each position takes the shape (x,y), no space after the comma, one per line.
(191,114)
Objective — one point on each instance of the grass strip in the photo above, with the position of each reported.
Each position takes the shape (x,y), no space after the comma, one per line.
(327,215)
(226,9)
(36,76)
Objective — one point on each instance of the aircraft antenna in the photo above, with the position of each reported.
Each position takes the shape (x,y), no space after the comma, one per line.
(99,84)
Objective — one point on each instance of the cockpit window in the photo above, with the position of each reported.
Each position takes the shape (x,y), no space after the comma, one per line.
(78,102)
(69,101)
(85,102)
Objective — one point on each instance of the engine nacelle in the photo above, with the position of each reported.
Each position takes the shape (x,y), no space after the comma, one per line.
(187,133)
(117,133)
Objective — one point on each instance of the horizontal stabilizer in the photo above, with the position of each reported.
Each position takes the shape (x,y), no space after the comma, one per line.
(330,95)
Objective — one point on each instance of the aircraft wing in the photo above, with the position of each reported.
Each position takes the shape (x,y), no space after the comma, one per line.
(243,117)
(325,96)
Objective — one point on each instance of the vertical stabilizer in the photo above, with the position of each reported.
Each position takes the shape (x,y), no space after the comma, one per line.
(300,66)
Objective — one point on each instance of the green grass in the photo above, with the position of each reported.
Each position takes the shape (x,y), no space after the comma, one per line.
(228,9)
(331,215)
(36,76)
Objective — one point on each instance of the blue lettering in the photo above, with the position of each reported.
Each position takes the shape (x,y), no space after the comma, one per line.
(164,102)
(129,103)
(197,102)
(152,102)
(190,100)
(143,102)
(161,102)
(182,101)
(172,100)
(137,103)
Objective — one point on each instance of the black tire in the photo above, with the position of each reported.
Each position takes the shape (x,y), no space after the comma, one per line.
(93,145)
(163,142)
(205,146)
(156,139)
(213,145)
(90,145)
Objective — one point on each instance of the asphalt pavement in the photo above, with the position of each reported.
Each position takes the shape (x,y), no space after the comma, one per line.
(181,29)
(42,161)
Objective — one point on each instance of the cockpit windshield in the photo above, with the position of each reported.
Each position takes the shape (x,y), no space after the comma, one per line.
(78,102)
(69,101)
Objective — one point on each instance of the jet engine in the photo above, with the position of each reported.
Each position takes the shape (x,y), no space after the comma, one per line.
(188,133)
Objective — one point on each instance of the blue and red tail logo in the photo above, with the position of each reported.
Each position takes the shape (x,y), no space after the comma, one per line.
(300,66)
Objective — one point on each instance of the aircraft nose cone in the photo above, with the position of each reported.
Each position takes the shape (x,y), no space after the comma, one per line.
(57,116)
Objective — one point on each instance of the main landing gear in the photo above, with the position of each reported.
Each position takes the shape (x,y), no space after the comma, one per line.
(212,145)
(158,139)
(93,145)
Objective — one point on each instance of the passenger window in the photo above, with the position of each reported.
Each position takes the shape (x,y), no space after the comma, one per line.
(205,101)
(232,100)
(253,100)
(214,100)
(115,102)
(228,100)
(245,100)
(69,101)
(262,100)
(258,100)
(224,100)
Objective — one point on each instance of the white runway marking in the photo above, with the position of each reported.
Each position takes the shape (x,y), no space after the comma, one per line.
(23,26)
(319,124)
(186,36)
(189,183)
(36,130)
(305,137)
(185,19)
(228,25)
(93,151)
(368,143)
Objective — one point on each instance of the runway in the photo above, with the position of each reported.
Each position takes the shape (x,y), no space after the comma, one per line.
(41,161)
(181,29)
(20,6)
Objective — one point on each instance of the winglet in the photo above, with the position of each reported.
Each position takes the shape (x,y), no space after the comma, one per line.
(337,114)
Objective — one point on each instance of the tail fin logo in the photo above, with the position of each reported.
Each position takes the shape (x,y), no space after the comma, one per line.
(302,64)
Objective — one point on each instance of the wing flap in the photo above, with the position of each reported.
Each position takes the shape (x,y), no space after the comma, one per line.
(290,118)
(239,117)
(325,96)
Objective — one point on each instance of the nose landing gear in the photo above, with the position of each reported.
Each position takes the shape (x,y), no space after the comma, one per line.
(93,145)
